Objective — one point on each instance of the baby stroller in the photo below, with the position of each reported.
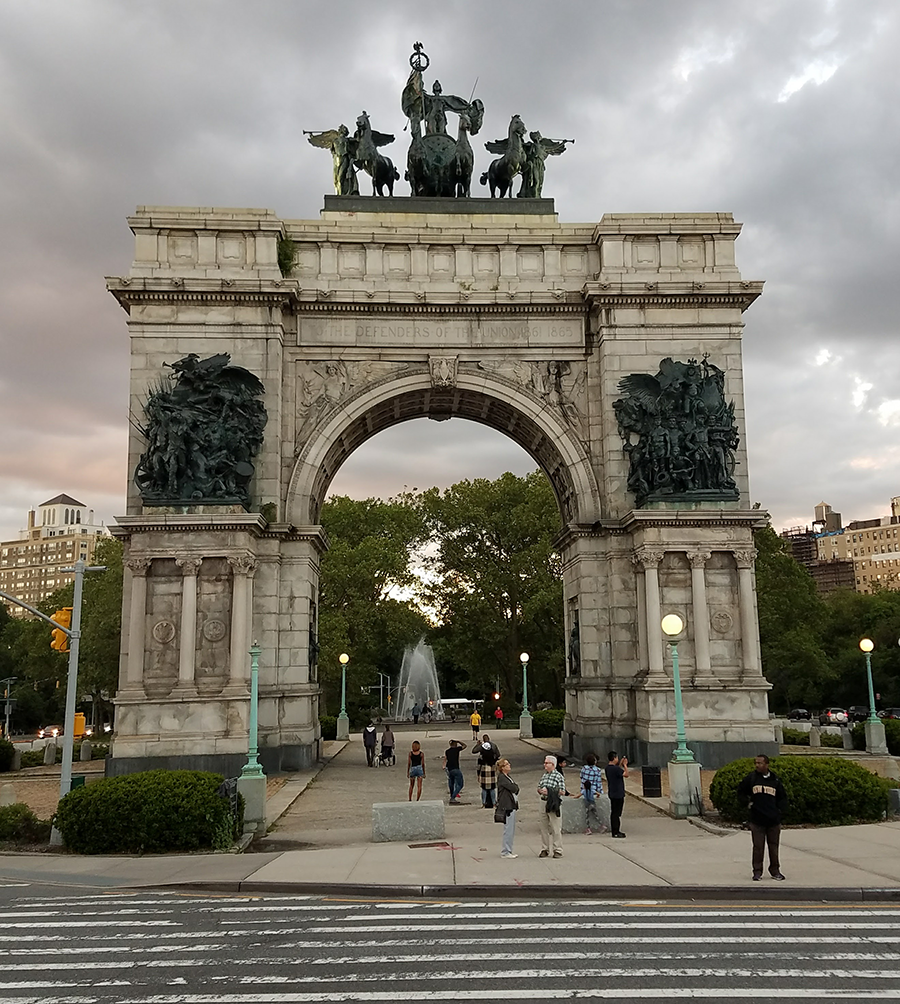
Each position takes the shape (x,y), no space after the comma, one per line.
(385,757)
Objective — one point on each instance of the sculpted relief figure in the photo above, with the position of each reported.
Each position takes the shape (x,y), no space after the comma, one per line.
(202,430)
(679,432)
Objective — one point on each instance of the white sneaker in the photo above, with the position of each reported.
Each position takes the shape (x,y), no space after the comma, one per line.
(509,855)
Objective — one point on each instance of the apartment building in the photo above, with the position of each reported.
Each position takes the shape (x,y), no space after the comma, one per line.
(872,545)
(58,533)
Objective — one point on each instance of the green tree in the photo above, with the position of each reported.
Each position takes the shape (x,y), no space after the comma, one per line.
(101,625)
(367,590)
(792,619)
(495,584)
(850,617)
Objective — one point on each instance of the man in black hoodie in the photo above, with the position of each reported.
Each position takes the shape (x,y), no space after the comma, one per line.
(768,803)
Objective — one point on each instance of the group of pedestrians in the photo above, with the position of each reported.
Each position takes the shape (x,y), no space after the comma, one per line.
(761,789)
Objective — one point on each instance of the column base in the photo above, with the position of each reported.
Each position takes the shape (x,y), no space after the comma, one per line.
(343,727)
(525,726)
(876,743)
(254,791)
(685,789)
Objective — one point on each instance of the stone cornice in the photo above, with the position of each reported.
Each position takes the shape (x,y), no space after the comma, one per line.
(501,306)
(655,292)
(644,519)
(251,522)
(131,291)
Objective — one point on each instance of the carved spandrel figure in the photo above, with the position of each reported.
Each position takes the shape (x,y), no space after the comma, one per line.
(679,433)
(343,149)
(202,433)
(536,152)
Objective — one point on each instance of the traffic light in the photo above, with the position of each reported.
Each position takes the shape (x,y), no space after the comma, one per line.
(60,639)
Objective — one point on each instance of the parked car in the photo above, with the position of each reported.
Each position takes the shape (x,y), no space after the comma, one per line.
(889,713)
(833,716)
(799,715)
(50,732)
(857,713)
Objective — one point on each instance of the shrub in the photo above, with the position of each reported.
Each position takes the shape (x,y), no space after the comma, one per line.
(18,824)
(547,723)
(831,740)
(7,752)
(796,737)
(154,811)
(32,758)
(329,726)
(891,735)
(820,790)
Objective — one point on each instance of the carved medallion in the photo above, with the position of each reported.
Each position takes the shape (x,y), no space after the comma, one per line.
(721,621)
(443,370)
(164,632)
(214,630)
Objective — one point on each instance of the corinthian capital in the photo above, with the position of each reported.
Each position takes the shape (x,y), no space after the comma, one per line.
(138,566)
(649,558)
(189,566)
(243,564)
(698,559)
(745,559)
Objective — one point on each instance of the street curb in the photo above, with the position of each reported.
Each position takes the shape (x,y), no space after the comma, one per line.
(773,893)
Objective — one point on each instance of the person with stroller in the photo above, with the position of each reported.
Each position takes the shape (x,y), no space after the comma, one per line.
(387,745)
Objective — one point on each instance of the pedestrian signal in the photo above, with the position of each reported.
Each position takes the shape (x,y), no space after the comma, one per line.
(496,696)
(60,639)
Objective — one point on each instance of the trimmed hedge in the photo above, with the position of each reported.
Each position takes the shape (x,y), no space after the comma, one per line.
(19,825)
(821,790)
(154,811)
(329,726)
(797,737)
(547,723)
(891,735)
(7,752)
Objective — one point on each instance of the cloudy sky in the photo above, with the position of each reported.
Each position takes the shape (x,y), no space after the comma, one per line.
(783,113)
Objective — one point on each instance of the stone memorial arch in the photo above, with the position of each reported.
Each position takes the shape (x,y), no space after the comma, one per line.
(610,351)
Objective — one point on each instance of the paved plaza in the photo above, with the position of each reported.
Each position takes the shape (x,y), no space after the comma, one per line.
(321,841)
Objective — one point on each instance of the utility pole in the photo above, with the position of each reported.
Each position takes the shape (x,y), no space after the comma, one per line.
(73,633)
(9,702)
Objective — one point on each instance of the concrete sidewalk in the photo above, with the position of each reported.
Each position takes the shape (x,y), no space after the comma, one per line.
(320,845)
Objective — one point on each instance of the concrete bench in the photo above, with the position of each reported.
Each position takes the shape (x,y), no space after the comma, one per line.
(574,814)
(407,821)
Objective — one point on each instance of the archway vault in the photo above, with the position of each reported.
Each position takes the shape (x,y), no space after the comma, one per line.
(493,402)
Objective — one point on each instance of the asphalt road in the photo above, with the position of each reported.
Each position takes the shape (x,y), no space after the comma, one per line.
(73,948)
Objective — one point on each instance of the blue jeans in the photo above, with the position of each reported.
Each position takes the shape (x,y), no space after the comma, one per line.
(488,796)
(509,832)
(456,780)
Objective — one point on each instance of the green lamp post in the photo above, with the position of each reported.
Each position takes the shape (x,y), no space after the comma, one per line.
(343,719)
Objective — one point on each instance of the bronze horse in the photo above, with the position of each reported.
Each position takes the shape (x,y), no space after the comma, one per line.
(380,168)
(502,171)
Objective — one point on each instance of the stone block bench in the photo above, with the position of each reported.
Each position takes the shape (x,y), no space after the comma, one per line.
(407,821)
(574,815)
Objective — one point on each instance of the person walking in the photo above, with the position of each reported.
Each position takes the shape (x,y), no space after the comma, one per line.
(488,754)
(591,787)
(508,802)
(768,804)
(416,711)
(616,772)
(387,744)
(498,715)
(475,722)
(552,789)
(415,770)
(455,778)
(370,737)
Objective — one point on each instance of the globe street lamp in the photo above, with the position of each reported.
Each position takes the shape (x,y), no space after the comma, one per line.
(866,645)
(343,720)
(685,798)
(875,739)
(672,626)
(525,721)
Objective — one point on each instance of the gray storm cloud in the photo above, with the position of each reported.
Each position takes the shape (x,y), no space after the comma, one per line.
(784,114)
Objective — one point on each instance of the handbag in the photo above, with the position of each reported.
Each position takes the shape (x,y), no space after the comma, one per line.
(499,815)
